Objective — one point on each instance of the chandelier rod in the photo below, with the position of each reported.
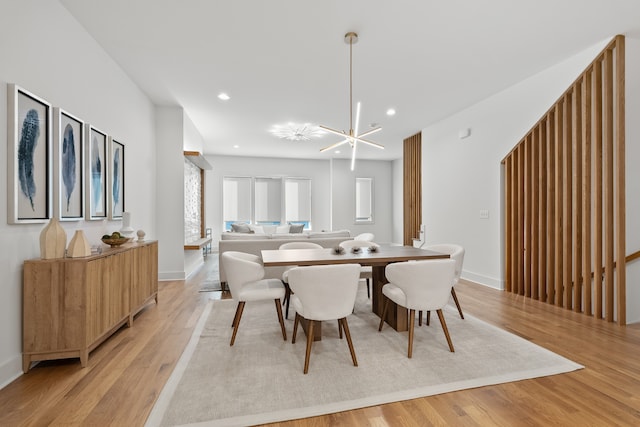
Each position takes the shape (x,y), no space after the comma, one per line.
(351,84)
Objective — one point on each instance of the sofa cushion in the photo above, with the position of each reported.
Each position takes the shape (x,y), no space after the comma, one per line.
(289,236)
(321,234)
(244,236)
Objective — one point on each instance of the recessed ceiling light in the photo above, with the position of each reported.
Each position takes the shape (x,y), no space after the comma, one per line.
(223,96)
(236,146)
(337,151)
(391,112)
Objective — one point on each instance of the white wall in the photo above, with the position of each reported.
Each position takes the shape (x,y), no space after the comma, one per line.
(632,100)
(397,235)
(45,51)
(344,196)
(193,140)
(170,201)
(462,176)
(323,196)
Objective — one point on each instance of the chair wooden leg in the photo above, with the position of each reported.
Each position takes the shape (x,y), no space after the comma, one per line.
(446,331)
(345,326)
(237,321)
(385,306)
(309,343)
(280,319)
(455,299)
(420,318)
(295,328)
(412,319)
(235,316)
(287,298)
(340,328)
(428,318)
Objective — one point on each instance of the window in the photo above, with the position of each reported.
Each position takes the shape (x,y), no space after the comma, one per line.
(297,201)
(268,200)
(364,200)
(236,196)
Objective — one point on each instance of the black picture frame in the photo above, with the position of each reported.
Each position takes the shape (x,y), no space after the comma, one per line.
(116,180)
(96,173)
(69,171)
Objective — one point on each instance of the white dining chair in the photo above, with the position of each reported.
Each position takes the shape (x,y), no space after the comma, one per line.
(285,273)
(246,283)
(321,293)
(419,285)
(366,271)
(455,252)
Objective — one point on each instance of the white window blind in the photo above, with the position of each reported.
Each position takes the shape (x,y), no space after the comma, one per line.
(268,200)
(297,193)
(236,204)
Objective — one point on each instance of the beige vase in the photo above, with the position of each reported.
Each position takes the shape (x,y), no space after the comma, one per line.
(79,246)
(53,240)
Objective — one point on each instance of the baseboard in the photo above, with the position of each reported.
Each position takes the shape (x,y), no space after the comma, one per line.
(171,275)
(10,370)
(483,280)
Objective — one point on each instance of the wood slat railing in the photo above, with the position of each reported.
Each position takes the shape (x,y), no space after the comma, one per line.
(564,194)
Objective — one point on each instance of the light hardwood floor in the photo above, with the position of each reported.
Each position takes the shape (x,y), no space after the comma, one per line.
(125,374)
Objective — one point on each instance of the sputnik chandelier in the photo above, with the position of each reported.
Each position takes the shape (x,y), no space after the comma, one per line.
(352,137)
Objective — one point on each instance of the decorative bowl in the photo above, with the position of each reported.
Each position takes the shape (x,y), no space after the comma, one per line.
(116,242)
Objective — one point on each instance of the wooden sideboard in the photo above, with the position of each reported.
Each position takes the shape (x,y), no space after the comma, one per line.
(72,305)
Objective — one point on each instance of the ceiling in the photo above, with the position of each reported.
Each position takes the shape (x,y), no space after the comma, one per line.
(286,60)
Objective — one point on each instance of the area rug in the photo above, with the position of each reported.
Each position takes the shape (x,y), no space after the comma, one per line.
(210,285)
(260,379)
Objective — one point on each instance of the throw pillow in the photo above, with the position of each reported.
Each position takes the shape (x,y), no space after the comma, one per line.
(240,228)
(296,228)
(257,229)
(282,229)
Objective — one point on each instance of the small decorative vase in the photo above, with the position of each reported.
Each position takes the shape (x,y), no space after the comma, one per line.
(53,240)
(141,235)
(126,229)
(79,246)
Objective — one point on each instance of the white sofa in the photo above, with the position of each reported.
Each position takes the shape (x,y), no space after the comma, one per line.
(255,243)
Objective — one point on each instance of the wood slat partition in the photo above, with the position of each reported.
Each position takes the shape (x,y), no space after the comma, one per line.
(412,188)
(564,194)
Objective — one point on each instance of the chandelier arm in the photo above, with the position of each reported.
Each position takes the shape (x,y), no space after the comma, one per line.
(353,155)
(334,131)
(371,143)
(337,144)
(369,132)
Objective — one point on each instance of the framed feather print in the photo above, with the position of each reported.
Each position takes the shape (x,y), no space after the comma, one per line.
(68,176)
(116,179)
(96,173)
(29,157)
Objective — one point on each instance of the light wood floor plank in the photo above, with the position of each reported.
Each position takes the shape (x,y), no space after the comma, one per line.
(125,375)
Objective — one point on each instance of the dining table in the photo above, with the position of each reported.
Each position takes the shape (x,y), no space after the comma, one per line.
(376,256)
